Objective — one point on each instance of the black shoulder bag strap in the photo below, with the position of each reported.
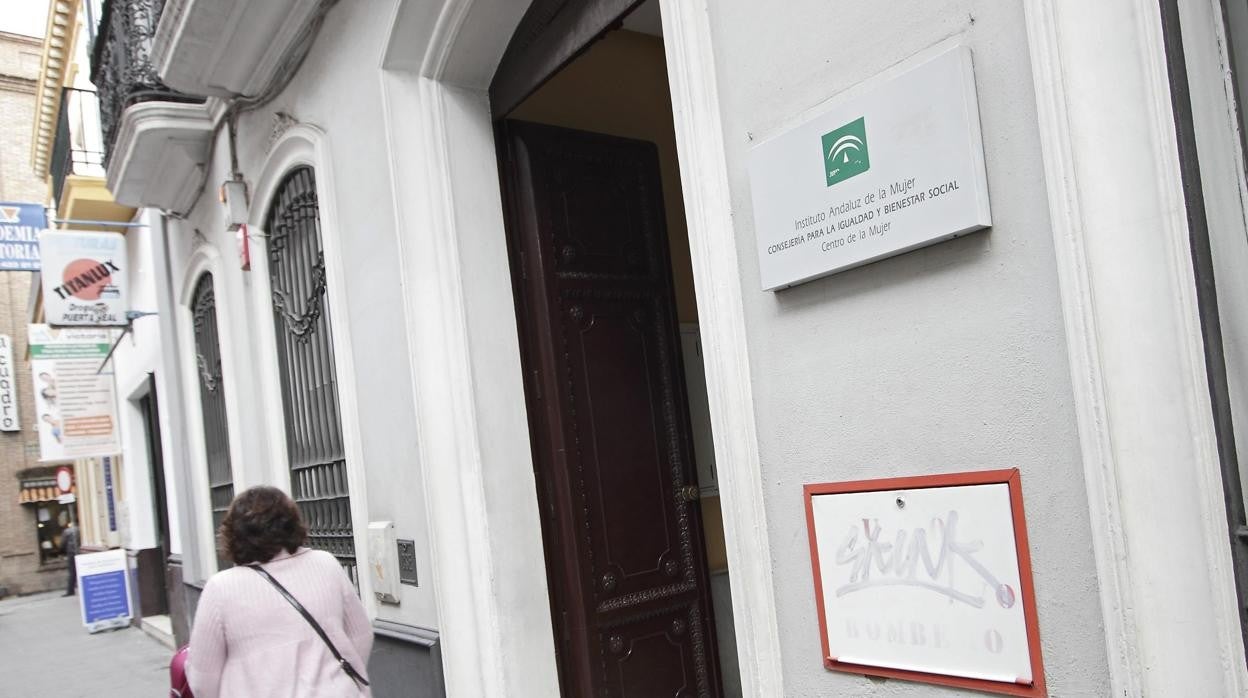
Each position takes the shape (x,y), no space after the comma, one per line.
(342,662)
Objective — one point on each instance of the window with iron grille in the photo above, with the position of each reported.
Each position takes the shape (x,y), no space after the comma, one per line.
(212,403)
(305,351)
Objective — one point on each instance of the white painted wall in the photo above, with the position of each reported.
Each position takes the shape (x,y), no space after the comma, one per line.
(336,99)
(1218,122)
(138,355)
(1142,395)
(946,359)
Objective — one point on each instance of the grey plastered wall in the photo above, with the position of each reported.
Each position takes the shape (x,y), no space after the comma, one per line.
(945,359)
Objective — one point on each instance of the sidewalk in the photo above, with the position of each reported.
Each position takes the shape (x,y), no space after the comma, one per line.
(45,651)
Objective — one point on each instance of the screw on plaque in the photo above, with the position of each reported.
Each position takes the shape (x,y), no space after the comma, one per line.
(901,503)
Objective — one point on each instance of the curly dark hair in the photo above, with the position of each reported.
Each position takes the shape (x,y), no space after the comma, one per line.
(261,522)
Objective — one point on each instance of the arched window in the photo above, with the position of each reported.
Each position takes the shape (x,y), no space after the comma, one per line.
(305,350)
(212,402)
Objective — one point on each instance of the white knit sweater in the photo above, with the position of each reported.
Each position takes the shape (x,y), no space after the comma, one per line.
(247,640)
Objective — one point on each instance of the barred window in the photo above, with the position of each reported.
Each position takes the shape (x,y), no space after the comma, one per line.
(212,403)
(305,349)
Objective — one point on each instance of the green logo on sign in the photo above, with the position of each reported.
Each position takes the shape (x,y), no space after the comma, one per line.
(845,152)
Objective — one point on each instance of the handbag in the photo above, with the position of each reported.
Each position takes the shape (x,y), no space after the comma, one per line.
(342,662)
(179,687)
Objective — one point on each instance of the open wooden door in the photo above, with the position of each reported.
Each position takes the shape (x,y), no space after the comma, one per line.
(607,410)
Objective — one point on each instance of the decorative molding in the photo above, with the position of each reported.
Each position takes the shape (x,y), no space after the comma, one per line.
(474,656)
(489,574)
(1216,145)
(61,36)
(282,122)
(1100,468)
(13,83)
(1141,397)
(721,313)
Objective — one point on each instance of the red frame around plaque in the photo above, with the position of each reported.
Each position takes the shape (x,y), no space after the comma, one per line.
(1008,477)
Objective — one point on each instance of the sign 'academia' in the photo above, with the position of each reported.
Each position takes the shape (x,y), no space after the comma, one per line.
(19,236)
(893,164)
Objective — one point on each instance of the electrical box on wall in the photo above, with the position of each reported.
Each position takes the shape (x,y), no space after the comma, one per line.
(233,194)
(383,561)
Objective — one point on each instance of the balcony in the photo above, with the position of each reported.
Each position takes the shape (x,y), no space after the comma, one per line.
(78,149)
(76,165)
(227,48)
(156,140)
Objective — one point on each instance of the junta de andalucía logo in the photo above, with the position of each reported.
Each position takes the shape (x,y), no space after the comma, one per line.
(845,151)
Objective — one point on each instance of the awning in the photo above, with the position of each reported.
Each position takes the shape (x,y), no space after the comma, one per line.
(37,490)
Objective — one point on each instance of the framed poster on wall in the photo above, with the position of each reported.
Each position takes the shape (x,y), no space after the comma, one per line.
(927,579)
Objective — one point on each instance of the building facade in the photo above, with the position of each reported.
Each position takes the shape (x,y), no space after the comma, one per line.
(55,149)
(122,496)
(480,283)
(31,559)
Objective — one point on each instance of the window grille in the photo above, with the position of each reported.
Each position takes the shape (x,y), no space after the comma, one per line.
(318,468)
(212,403)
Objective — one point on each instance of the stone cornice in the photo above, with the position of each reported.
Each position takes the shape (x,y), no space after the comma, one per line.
(32,41)
(58,56)
(13,83)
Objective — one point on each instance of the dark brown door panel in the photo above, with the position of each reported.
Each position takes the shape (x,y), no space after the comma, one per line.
(608,416)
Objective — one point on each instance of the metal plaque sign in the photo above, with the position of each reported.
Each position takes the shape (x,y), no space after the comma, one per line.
(84,278)
(927,579)
(19,236)
(894,164)
(407,562)
(9,419)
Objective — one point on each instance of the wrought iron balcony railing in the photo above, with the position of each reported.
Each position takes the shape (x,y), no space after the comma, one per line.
(121,65)
(79,147)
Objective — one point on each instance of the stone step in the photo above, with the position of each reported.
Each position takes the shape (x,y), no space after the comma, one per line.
(160,628)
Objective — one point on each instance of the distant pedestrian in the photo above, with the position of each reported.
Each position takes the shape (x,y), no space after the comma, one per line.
(69,544)
(250,639)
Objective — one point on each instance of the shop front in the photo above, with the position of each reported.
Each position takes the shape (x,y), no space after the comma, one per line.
(46,508)
(52,509)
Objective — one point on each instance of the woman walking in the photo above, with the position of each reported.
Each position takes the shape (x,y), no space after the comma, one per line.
(250,639)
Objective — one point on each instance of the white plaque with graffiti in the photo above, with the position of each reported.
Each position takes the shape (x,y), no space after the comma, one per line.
(927,578)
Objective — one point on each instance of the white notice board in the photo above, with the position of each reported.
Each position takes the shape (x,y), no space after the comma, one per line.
(891,165)
(927,578)
(104,589)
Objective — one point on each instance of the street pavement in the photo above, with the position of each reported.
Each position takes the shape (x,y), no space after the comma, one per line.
(45,651)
